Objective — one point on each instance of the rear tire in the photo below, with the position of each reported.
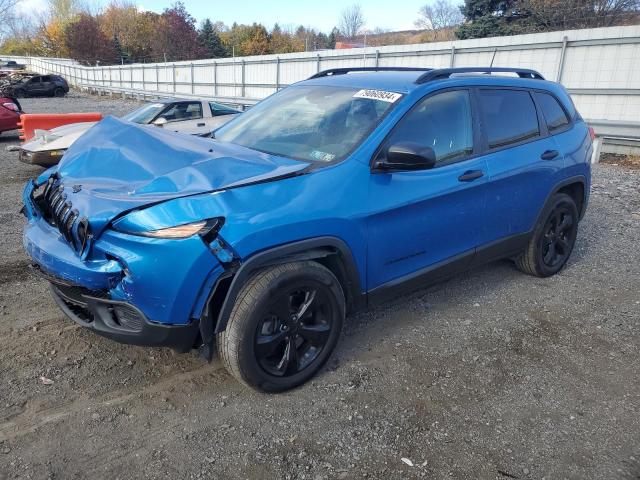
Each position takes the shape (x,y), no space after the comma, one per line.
(283,327)
(553,238)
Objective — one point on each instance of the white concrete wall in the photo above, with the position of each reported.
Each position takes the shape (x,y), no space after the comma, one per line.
(600,67)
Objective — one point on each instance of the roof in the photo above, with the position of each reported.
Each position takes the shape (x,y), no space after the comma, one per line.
(404,80)
(400,81)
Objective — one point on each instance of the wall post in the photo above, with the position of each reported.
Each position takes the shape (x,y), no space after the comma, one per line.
(565,39)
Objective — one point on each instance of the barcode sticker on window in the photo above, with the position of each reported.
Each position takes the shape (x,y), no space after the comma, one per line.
(382,95)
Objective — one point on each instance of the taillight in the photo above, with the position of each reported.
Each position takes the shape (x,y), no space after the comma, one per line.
(592,133)
(11,106)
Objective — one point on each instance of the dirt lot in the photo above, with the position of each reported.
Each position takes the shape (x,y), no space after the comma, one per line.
(630,161)
(490,375)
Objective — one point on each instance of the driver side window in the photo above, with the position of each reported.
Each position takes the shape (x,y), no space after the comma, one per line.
(183,111)
(443,122)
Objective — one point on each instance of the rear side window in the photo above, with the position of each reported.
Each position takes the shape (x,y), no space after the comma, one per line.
(509,116)
(217,109)
(554,114)
(442,122)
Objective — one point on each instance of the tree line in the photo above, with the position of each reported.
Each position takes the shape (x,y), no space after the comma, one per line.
(121,32)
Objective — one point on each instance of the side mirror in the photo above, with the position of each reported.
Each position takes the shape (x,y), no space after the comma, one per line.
(159,122)
(408,156)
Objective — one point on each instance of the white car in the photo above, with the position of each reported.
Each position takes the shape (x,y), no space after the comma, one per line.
(195,117)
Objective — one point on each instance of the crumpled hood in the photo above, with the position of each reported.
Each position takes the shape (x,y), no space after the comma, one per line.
(117,166)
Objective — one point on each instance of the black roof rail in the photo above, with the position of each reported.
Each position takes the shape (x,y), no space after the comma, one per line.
(345,70)
(443,73)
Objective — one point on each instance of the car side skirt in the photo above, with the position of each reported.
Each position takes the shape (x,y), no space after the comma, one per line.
(500,249)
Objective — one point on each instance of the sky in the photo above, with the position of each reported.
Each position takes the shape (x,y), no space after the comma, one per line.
(322,14)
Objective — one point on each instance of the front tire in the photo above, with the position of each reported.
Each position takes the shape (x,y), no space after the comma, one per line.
(553,238)
(283,327)
(59,92)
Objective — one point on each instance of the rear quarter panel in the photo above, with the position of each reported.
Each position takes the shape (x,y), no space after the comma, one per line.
(575,143)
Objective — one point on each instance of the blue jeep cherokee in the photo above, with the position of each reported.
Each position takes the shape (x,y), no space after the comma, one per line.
(337,192)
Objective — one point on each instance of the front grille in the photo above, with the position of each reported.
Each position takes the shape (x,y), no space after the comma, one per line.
(58,211)
(81,312)
(75,298)
(77,293)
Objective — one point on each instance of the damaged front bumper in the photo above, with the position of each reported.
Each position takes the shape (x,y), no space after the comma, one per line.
(133,289)
(120,321)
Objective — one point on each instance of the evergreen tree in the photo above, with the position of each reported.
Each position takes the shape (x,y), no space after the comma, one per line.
(120,54)
(210,40)
(489,18)
(322,41)
(333,37)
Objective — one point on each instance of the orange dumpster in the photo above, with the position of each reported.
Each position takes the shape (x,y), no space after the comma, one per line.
(30,122)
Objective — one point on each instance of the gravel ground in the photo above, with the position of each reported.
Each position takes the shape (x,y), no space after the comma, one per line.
(492,375)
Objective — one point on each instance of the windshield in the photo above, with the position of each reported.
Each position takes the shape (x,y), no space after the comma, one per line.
(310,123)
(144,114)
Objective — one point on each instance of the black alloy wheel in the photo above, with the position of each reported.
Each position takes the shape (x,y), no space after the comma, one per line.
(553,238)
(294,331)
(557,241)
(285,323)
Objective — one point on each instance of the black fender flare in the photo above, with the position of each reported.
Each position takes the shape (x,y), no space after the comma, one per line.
(319,248)
(563,183)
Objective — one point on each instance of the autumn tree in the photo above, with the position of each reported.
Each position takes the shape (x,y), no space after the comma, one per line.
(176,36)
(133,30)
(87,43)
(246,39)
(49,41)
(281,41)
(256,42)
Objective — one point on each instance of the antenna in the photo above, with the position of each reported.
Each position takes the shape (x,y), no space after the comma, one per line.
(495,50)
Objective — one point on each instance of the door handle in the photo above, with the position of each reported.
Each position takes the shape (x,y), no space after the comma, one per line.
(549,154)
(201,125)
(471,175)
